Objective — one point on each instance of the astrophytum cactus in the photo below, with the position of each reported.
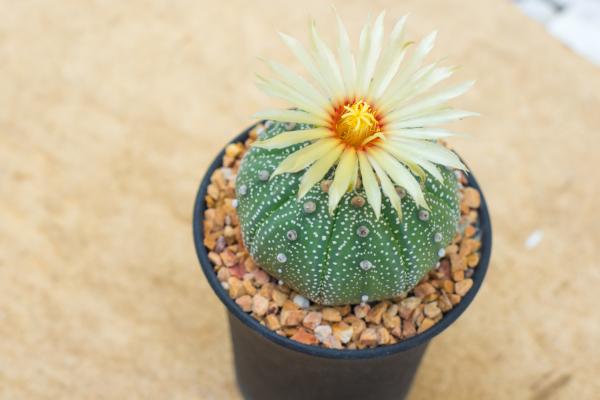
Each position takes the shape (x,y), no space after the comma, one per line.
(350,197)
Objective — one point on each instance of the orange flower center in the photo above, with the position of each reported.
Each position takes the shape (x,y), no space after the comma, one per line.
(357,123)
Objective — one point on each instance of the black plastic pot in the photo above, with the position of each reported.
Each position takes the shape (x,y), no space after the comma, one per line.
(269,366)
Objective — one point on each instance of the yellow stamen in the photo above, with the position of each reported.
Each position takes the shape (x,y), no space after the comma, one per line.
(357,123)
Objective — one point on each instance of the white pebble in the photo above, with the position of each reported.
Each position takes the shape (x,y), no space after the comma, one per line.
(227,173)
(301,301)
(322,332)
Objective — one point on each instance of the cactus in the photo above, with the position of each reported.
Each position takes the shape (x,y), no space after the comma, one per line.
(346,257)
(349,197)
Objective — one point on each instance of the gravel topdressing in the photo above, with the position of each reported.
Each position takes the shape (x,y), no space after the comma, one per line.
(289,314)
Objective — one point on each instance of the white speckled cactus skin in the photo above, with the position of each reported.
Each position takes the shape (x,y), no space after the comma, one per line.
(348,257)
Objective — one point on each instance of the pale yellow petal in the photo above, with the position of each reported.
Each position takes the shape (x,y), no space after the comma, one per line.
(432,169)
(415,163)
(423,80)
(397,34)
(296,116)
(399,174)
(306,156)
(347,64)
(415,168)
(354,179)
(317,171)
(383,78)
(278,89)
(434,118)
(307,61)
(420,133)
(287,139)
(370,52)
(408,70)
(395,94)
(391,59)
(375,48)
(408,89)
(362,53)
(401,90)
(432,78)
(327,63)
(387,186)
(294,80)
(433,152)
(342,177)
(430,103)
(370,184)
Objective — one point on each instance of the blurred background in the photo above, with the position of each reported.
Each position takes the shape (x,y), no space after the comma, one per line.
(111,111)
(574,22)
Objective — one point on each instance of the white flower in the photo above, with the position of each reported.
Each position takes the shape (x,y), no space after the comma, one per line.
(369,114)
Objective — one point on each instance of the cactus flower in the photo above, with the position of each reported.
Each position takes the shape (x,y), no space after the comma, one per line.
(368,118)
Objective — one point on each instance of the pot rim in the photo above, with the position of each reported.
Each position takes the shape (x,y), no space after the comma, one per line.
(485,228)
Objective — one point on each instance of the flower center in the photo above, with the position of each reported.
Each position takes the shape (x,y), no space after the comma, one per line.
(357,123)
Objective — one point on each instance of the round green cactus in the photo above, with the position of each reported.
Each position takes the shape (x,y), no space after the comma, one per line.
(366,125)
(347,256)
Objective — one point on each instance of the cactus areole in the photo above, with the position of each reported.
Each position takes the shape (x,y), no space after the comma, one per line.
(349,197)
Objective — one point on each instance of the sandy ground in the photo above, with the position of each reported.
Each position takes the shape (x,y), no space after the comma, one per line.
(110,113)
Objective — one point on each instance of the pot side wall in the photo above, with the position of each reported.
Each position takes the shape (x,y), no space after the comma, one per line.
(267,371)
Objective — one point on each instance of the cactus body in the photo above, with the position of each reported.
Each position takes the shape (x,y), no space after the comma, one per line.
(347,257)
